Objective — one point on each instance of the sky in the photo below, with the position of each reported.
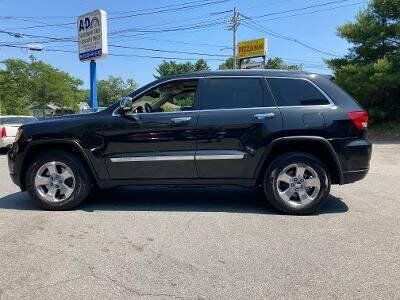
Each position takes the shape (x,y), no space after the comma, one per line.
(281,22)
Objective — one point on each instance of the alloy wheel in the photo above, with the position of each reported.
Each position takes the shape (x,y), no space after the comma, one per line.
(298,184)
(54,181)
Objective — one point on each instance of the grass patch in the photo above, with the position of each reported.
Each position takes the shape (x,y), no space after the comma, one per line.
(384,131)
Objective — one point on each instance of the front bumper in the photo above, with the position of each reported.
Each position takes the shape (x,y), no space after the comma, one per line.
(15,165)
(353,176)
(6,142)
(16,179)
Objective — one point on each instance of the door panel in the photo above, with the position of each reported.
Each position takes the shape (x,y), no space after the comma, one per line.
(235,132)
(151,145)
(231,141)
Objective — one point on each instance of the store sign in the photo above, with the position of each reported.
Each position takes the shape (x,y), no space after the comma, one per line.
(253,65)
(252,48)
(92,36)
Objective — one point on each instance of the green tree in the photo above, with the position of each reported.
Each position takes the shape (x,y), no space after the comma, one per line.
(226,65)
(277,63)
(167,68)
(370,72)
(23,84)
(272,63)
(113,88)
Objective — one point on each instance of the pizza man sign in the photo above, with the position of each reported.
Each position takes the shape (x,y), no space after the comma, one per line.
(92,36)
(252,48)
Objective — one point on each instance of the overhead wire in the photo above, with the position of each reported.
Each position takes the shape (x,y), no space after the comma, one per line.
(183,6)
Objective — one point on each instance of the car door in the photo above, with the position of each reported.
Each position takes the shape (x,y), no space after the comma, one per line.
(153,145)
(238,119)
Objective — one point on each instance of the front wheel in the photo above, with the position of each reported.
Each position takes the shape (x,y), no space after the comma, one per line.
(297,183)
(58,180)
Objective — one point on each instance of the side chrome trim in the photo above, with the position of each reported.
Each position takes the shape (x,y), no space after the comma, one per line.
(152,158)
(219,156)
(202,155)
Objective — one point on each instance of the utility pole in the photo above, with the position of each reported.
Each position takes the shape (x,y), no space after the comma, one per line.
(235,25)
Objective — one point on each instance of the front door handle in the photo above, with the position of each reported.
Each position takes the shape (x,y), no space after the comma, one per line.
(181,119)
(264,116)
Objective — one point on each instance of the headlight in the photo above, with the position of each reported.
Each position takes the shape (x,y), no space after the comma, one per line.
(19,134)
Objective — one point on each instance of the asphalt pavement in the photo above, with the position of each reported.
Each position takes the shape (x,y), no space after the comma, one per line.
(205,243)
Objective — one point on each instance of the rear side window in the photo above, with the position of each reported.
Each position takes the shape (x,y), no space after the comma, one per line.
(295,92)
(232,93)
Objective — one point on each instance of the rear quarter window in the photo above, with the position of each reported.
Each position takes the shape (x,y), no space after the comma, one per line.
(296,92)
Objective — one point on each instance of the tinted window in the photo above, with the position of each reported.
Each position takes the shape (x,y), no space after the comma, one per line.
(232,93)
(16,120)
(291,92)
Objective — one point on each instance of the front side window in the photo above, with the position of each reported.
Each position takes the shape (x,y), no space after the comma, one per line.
(169,97)
(222,93)
(295,92)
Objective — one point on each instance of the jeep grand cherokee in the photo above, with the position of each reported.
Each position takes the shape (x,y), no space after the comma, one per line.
(290,133)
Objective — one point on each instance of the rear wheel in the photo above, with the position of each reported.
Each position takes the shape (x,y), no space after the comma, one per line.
(58,181)
(297,183)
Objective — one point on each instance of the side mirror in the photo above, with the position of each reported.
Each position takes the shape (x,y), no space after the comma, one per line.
(126,103)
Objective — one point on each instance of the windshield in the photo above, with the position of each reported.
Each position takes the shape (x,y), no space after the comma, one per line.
(16,120)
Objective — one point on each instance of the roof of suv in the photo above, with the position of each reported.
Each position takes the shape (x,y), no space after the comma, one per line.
(222,73)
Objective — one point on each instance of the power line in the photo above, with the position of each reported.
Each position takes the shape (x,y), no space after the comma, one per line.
(314,11)
(183,6)
(203,24)
(301,8)
(124,47)
(147,56)
(158,8)
(117,54)
(30,21)
(167,51)
(264,5)
(184,43)
(255,26)
(168,10)
(110,13)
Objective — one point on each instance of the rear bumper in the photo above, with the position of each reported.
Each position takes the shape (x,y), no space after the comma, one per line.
(354,155)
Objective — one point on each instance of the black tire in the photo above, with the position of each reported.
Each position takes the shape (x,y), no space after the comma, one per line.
(82,184)
(270,183)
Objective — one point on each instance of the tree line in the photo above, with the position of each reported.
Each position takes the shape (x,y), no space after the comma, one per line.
(27,83)
(370,72)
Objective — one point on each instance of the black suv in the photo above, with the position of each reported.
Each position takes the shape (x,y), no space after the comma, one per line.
(290,133)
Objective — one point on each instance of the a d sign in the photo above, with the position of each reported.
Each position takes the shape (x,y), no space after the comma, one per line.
(92,36)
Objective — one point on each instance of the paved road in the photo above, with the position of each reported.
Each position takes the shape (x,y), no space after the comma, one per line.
(205,243)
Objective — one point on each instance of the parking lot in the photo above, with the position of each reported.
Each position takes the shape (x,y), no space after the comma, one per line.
(205,243)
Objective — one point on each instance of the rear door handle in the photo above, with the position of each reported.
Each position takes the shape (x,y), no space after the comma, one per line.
(264,116)
(181,119)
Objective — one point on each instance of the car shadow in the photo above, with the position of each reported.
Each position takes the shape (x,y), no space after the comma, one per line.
(229,200)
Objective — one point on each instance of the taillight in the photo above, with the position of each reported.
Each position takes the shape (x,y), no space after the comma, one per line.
(3,132)
(359,118)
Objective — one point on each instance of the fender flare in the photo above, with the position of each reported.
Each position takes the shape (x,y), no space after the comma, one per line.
(319,139)
(61,141)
